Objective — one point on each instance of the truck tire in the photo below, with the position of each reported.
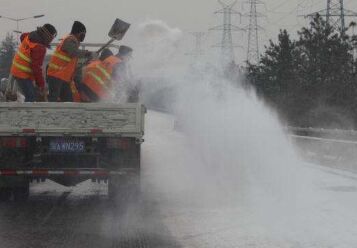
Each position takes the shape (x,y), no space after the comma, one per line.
(5,194)
(22,193)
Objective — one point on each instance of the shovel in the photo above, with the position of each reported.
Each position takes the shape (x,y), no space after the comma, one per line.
(117,32)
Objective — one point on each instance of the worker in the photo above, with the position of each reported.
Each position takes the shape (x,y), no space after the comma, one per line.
(121,72)
(126,89)
(27,64)
(106,53)
(63,64)
(97,78)
(77,87)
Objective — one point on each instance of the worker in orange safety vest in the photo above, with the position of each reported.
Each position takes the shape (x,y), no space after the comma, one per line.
(63,64)
(26,67)
(98,78)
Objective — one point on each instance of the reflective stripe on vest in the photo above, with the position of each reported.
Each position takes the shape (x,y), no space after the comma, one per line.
(63,57)
(111,62)
(53,66)
(104,71)
(22,67)
(24,57)
(22,62)
(98,79)
(62,65)
(94,82)
(98,76)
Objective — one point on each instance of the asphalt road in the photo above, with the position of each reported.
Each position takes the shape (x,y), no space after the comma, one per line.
(82,216)
(172,214)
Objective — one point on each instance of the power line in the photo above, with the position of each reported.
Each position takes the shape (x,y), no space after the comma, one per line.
(226,45)
(253,32)
(335,14)
(278,6)
(288,14)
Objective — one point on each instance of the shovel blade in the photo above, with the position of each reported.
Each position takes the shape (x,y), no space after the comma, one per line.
(118,29)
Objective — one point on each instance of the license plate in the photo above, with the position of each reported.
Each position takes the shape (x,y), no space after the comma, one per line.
(67,146)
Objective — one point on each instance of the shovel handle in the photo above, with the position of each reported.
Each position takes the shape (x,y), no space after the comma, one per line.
(106,45)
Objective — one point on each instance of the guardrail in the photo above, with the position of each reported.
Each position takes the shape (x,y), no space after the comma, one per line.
(330,147)
(322,134)
(321,130)
(324,139)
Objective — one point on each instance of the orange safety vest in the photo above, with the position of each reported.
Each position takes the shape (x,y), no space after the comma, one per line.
(98,76)
(62,65)
(111,62)
(22,63)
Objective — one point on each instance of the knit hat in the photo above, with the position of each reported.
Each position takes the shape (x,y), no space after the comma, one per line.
(105,54)
(48,32)
(125,51)
(78,27)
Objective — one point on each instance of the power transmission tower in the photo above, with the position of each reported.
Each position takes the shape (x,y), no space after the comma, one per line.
(227,28)
(198,51)
(253,32)
(335,14)
(353,25)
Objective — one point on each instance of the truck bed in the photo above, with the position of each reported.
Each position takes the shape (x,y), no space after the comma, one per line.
(72,119)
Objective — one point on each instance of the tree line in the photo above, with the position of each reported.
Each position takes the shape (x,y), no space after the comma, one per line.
(310,80)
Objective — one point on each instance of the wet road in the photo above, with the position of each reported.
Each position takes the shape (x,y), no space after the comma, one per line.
(56,216)
(179,209)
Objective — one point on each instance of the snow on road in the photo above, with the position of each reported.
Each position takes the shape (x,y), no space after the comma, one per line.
(198,215)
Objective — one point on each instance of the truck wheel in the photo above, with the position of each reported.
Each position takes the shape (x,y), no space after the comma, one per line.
(22,193)
(5,194)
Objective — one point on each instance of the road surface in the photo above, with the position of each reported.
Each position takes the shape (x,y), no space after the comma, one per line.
(176,209)
(82,216)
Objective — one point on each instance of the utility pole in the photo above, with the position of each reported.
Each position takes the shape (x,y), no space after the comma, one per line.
(253,32)
(18,20)
(226,45)
(335,14)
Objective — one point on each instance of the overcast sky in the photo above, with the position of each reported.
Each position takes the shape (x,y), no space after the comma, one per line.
(188,15)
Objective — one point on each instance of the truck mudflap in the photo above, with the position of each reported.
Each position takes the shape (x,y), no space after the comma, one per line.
(91,173)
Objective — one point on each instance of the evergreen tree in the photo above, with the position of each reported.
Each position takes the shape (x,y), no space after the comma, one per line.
(325,73)
(311,81)
(7,52)
(274,77)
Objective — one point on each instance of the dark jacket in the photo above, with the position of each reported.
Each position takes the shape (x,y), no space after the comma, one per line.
(37,56)
(72,48)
